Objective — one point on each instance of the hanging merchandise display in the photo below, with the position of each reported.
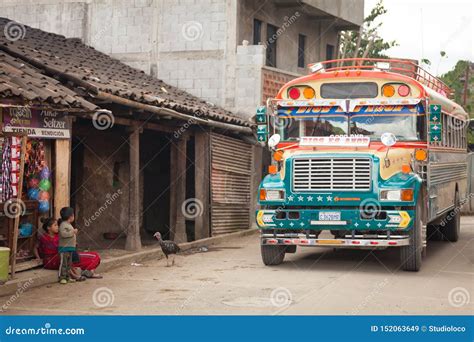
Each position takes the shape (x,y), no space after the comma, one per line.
(38,175)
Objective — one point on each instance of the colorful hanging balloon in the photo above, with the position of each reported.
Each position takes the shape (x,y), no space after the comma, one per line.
(33,182)
(45,184)
(45,173)
(33,193)
(43,196)
(43,207)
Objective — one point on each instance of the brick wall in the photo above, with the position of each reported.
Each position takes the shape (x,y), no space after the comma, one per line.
(273,80)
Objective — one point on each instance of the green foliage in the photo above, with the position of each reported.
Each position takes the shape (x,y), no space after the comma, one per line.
(455,80)
(370,43)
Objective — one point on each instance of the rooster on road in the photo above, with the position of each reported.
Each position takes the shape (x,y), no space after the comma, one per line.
(168,247)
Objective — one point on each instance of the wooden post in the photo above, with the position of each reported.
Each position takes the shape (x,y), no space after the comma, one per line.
(133,241)
(62,174)
(178,190)
(19,205)
(202,176)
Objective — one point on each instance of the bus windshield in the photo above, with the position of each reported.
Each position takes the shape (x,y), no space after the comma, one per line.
(406,127)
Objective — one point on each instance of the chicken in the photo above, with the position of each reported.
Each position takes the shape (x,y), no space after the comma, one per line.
(168,247)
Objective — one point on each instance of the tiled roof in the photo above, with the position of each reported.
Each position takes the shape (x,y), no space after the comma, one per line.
(69,56)
(20,80)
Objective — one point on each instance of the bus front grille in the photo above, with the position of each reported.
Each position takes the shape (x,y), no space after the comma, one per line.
(329,174)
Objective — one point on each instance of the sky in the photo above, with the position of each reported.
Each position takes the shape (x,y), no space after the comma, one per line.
(423,28)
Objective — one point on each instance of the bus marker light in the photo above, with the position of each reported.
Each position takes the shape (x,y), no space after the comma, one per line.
(388,90)
(294,93)
(421,155)
(406,168)
(308,93)
(331,242)
(356,242)
(403,90)
(272,241)
(272,169)
(287,241)
(278,155)
(374,243)
(304,241)
(406,195)
(392,243)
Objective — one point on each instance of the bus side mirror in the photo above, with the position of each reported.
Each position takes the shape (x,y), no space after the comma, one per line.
(274,140)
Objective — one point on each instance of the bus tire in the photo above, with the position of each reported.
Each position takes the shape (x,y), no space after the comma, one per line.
(451,230)
(272,255)
(411,255)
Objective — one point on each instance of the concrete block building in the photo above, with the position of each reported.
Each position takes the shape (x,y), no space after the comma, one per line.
(232,53)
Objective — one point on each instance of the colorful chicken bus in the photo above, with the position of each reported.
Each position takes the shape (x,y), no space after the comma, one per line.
(366,153)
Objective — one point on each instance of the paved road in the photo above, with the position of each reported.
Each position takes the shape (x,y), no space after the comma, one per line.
(230,279)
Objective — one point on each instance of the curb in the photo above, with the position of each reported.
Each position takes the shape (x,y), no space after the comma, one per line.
(18,286)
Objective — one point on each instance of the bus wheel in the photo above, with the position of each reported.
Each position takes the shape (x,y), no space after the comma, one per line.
(452,228)
(273,255)
(410,256)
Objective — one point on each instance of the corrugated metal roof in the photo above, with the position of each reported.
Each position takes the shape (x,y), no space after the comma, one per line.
(106,74)
(19,79)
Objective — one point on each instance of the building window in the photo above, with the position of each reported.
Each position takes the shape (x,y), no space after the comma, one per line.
(301,50)
(257,31)
(329,52)
(271,45)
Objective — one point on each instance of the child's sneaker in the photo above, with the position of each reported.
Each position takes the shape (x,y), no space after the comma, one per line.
(71,280)
(63,281)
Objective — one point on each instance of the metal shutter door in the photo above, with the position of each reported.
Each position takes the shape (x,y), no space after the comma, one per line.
(231,170)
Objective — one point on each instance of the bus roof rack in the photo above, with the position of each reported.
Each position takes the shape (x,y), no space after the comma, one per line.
(408,68)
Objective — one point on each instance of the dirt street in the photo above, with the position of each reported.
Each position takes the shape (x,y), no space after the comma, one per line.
(231,279)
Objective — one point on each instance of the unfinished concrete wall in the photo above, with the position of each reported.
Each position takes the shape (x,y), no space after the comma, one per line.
(192,37)
(125,29)
(291,22)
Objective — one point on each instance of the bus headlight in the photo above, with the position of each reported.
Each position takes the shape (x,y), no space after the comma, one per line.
(405,195)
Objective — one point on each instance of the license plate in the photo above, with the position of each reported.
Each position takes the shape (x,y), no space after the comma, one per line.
(329,216)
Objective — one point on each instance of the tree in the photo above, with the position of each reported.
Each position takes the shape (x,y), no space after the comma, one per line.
(455,79)
(366,42)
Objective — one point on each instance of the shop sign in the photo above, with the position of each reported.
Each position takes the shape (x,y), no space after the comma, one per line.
(36,123)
